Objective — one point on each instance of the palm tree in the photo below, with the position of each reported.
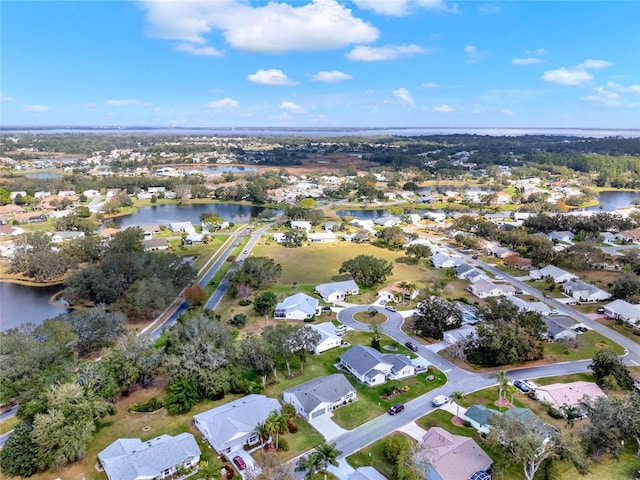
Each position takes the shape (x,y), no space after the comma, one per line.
(309,464)
(327,455)
(404,285)
(503,383)
(457,397)
(262,431)
(289,412)
(277,423)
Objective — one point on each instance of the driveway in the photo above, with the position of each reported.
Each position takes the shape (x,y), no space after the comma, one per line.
(413,430)
(252,467)
(327,427)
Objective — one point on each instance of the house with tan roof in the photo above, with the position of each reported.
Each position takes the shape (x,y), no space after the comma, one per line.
(567,394)
(453,457)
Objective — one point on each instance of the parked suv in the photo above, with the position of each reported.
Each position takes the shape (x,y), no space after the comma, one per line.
(397,408)
(411,346)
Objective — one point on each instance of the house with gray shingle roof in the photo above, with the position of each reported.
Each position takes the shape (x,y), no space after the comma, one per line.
(371,367)
(622,310)
(133,459)
(297,307)
(320,396)
(337,291)
(557,274)
(585,292)
(559,327)
(478,416)
(231,426)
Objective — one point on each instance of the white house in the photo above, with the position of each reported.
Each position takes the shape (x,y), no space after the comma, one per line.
(229,427)
(561,236)
(585,292)
(622,310)
(557,274)
(321,237)
(186,227)
(390,221)
(329,337)
(301,225)
(559,327)
(523,305)
(320,396)
(59,237)
(444,260)
(371,367)
(484,289)
(297,307)
(567,394)
(469,273)
(337,291)
(160,457)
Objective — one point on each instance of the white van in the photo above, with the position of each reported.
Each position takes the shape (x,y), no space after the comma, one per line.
(341,330)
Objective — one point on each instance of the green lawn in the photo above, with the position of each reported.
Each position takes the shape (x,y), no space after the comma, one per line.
(624,329)
(373,455)
(542,286)
(589,342)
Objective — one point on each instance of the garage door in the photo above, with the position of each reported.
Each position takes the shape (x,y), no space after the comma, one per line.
(319,413)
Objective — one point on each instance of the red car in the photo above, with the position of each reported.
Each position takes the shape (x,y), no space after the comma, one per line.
(397,408)
(239,461)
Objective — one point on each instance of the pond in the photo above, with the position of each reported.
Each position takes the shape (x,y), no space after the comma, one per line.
(613,199)
(22,304)
(362,214)
(44,175)
(169,213)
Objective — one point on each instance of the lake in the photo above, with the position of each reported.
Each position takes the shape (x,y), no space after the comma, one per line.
(362,214)
(168,213)
(613,199)
(22,304)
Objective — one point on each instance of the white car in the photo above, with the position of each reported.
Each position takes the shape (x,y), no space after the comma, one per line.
(499,277)
(440,400)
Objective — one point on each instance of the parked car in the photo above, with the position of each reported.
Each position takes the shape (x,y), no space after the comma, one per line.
(499,277)
(326,308)
(397,408)
(522,386)
(475,257)
(440,400)
(245,252)
(600,310)
(390,308)
(553,311)
(239,461)
(411,346)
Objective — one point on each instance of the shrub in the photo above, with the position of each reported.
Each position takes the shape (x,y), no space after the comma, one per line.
(283,444)
(467,423)
(239,320)
(150,405)
(554,413)
(293,428)
(244,303)
(636,332)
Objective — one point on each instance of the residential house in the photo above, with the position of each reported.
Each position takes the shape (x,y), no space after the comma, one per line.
(30,217)
(321,237)
(6,230)
(444,260)
(331,226)
(59,237)
(452,457)
(371,367)
(585,292)
(184,227)
(484,289)
(158,458)
(561,236)
(329,337)
(320,396)
(193,238)
(630,235)
(557,274)
(560,395)
(460,334)
(108,232)
(297,307)
(150,230)
(469,273)
(11,209)
(363,224)
(337,291)
(301,225)
(559,327)
(525,306)
(390,292)
(153,244)
(479,417)
(622,310)
(438,217)
(389,221)
(501,252)
(518,262)
(231,426)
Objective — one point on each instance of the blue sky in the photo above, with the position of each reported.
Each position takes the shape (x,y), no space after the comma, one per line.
(332,63)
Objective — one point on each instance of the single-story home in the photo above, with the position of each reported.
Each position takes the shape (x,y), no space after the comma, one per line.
(337,291)
(561,236)
(518,262)
(160,457)
(557,274)
(478,416)
(186,227)
(329,337)
(301,225)
(330,226)
(388,221)
(559,327)
(320,396)
(567,394)
(193,238)
(444,260)
(622,310)
(155,244)
(523,305)
(630,235)
(321,237)
(297,307)
(484,289)
(501,252)
(585,292)
(59,237)
(231,426)
(469,273)
(452,457)
(390,291)
(372,367)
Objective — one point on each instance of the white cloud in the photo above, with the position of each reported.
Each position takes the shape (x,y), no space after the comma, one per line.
(609,95)
(444,108)
(404,7)
(273,27)
(591,64)
(270,77)
(527,61)
(224,103)
(562,76)
(430,85)
(126,103)
(334,76)
(403,96)
(290,107)
(473,54)
(363,53)
(205,51)
(507,112)
(5,98)
(622,89)
(36,108)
